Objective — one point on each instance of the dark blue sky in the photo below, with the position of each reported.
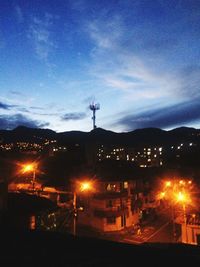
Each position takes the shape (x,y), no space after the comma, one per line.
(138,59)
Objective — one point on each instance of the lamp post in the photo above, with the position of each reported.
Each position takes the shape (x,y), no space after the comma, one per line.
(183,199)
(31,168)
(83,187)
(185,222)
(74,213)
(177,192)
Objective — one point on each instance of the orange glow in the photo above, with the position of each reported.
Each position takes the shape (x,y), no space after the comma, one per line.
(168,183)
(28,168)
(85,186)
(181,182)
(181,197)
(162,194)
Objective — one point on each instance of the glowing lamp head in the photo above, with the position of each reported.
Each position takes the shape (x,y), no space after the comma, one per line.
(162,194)
(181,197)
(28,168)
(181,182)
(168,183)
(85,186)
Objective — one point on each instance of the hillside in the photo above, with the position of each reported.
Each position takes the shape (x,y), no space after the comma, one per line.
(147,136)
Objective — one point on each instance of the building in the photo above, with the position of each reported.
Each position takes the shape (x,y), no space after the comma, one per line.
(115,205)
(190,231)
(141,156)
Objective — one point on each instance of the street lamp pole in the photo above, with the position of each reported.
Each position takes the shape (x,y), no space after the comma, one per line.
(74,213)
(33,182)
(173,224)
(83,187)
(185,222)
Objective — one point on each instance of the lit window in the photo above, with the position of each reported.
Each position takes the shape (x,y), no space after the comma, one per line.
(111,187)
(125,185)
(160,148)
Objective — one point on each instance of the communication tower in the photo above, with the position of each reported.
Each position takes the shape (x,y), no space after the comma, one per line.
(94,107)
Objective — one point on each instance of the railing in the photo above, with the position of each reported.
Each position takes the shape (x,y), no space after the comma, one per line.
(109,212)
(110,195)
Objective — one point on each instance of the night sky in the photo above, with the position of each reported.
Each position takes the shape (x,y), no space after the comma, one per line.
(139,59)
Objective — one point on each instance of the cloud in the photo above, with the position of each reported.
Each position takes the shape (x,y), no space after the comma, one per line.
(22,109)
(39,34)
(166,117)
(117,66)
(189,81)
(16,93)
(6,106)
(19,14)
(100,31)
(9,122)
(74,116)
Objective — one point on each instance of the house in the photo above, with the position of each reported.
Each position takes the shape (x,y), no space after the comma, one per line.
(115,204)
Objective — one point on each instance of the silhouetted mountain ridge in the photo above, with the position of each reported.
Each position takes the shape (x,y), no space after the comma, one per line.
(146,136)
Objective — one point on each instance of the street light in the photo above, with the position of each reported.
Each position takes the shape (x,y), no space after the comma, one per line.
(30,167)
(82,187)
(177,191)
(183,199)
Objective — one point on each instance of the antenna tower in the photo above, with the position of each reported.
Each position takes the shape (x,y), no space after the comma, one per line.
(94,107)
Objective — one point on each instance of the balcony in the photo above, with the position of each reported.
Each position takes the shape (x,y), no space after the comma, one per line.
(111,195)
(110,212)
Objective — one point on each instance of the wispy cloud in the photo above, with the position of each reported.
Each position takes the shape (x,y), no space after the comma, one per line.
(19,14)
(165,117)
(16,93)
(119,68)
(133,71)
(39,34)
(73,116)
(9,122)
(106,34)
(6,106)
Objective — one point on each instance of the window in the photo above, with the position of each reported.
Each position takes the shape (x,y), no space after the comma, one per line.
(125,185)
(111,187)
(111,220)
(109,203)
